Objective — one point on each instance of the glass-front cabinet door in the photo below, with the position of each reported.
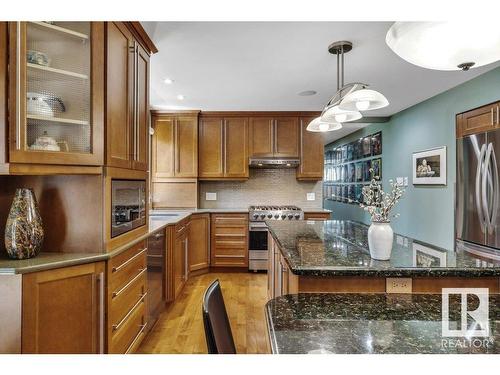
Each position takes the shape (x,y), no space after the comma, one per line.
(56,92)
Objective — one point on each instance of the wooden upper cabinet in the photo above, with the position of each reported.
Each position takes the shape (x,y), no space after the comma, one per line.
(119,95)
(311,153)
(223,148)
(210,147)
(186,146)
(140,162)
(236,147)
(162,145)
(127,99)
(261,137)
(478,120)
(286,137)
(174,146)
(63,101)
(63,310)
(274,137)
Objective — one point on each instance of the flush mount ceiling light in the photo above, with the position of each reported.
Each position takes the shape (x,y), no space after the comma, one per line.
(445,45)
(180,97)
(349,99)
(168,81)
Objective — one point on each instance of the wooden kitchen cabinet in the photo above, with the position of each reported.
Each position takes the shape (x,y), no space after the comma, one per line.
(478,120)
(127,100)
(229,240)
(319,216)
(311,151)
(274,137)
(56,106)
(127,299)
(63,310)
(180,256)
(199,240)
(223,148)
(174,145)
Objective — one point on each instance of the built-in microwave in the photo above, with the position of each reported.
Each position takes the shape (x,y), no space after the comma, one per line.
(128,205)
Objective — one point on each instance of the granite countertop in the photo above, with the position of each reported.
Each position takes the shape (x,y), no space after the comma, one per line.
(373,323)
(340,248)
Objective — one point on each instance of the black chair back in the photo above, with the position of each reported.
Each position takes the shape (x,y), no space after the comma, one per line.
(217,328)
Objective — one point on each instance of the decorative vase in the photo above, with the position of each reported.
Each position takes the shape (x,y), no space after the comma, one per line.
(24,231)
(380,237)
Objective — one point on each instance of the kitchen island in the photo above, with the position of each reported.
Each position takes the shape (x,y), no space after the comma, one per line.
(333,256)
(373,323)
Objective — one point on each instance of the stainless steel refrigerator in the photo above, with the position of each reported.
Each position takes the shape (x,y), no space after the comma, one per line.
(477,189)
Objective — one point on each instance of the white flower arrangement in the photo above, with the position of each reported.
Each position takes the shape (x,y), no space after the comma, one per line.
(379,203)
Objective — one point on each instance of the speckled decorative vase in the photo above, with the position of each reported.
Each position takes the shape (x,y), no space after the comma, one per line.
(24,231)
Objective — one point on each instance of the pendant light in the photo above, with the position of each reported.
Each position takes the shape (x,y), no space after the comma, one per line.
(317,125)
(344,106)
(446,45)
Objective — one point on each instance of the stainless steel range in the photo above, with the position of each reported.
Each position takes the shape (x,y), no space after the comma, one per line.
(258,249)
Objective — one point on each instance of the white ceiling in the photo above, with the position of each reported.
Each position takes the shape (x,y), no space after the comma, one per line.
(262,66)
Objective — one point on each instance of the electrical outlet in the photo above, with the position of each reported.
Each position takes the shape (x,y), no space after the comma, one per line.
(398,285)
(406,181)
(399,239)
(210,196)
(400,181)
(311,196)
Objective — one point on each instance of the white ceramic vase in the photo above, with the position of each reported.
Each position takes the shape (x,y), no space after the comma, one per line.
(380,237)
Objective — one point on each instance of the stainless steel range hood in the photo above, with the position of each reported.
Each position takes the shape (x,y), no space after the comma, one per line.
(274,162)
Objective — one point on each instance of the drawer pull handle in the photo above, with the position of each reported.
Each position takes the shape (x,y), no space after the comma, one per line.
(231,235)
(116,294)
(118,268)
(230,256)
(143,327)
(124,319)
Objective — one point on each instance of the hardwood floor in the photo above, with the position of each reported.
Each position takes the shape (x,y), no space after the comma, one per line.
(179,329)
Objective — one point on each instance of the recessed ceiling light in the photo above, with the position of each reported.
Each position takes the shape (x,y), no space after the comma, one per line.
(168,81)
(307,93)
(180,97)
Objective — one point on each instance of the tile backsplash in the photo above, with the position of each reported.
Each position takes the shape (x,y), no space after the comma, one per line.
(265,186)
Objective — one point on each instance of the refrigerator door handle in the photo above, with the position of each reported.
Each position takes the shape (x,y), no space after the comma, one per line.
(495,189)
(487,182)
(479,172)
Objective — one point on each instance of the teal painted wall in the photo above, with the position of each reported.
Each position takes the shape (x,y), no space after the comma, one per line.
(427,212)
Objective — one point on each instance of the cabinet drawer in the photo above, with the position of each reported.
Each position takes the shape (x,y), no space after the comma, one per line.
(127,265)
(234,260)
(127,299)
(129,336)
(181,227)
(230,219)
(231,231)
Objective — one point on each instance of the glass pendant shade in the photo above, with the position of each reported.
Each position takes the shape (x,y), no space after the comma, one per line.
(317,125)
(335,114)
(445,45)
(363,100)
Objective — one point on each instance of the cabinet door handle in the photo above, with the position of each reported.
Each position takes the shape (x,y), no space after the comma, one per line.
(143,327)
(118,325)
(118,268)
(127,285)
(275,137)
(492,111)
(222,144)
(100,281)
(498,114)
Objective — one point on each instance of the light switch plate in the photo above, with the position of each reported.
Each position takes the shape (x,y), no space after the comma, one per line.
(210,196)
(398,285)
(400,181)
(399,240)
(406,181)
(311,196)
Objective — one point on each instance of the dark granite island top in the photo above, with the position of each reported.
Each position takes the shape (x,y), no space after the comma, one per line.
(372,323)
(340,248)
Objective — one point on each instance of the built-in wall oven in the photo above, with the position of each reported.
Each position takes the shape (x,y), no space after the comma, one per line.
(128,205)
(257,246)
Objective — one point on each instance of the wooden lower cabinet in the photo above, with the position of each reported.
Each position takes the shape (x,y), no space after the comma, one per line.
(316,216)
(127,299)
(199,240)
(180,256)
(229,240)
(63,310)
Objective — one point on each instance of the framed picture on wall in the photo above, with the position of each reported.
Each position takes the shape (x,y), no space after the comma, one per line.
(377,144)
(429,167)
(424,256)
(376,168)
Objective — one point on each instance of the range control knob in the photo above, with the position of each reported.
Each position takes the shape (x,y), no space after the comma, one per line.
(262,216)
(276,216)
(297,216)
(269,215)
(283,216)
(290,216)
(255,216)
